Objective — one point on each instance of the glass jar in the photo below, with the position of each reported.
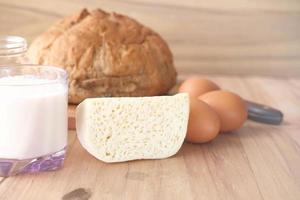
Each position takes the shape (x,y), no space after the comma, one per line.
(12,50)
(33,118)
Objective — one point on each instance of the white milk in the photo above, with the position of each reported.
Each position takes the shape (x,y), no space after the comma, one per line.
(33,117)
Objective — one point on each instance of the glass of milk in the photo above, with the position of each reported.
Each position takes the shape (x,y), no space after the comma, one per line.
(33,118)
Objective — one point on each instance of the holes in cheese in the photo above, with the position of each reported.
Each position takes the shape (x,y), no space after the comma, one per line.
(128,128)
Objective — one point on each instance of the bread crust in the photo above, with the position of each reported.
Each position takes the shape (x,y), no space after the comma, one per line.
(106,54)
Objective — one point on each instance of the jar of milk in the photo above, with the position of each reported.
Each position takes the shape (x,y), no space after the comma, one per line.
(12,50)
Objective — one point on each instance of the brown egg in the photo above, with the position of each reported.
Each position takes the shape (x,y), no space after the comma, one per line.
(196,86)
(230,107)
(204,122)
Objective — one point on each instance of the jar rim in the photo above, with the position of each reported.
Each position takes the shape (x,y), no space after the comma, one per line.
(58,75)
(11,45)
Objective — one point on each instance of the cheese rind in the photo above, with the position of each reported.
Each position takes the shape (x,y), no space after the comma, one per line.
(130,128)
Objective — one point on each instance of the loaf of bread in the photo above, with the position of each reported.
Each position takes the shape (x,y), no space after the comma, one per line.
(106,54)
(130,128)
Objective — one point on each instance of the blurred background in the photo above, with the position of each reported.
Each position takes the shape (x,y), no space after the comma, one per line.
(257,37)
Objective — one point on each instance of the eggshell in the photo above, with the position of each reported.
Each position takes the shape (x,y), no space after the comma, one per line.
(196,86)
(230,107)
(204,122)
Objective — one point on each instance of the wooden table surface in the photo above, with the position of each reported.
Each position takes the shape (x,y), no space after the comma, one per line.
(256,162)
(259,40)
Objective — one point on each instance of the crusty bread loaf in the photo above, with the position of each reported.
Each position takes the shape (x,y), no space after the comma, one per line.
(130,128)
(106,54)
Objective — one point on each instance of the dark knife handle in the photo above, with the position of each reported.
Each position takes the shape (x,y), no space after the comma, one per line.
(264,114)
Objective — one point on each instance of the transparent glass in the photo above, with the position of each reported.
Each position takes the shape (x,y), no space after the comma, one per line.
(33,118)
(12,50)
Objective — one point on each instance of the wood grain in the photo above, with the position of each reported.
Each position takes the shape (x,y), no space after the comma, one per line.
(236,37)
(71,117)
(256,162)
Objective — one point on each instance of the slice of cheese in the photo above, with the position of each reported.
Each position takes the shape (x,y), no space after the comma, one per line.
(129,128)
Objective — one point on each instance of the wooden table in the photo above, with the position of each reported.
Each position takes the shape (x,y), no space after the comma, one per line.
(256,162)
(259,40)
